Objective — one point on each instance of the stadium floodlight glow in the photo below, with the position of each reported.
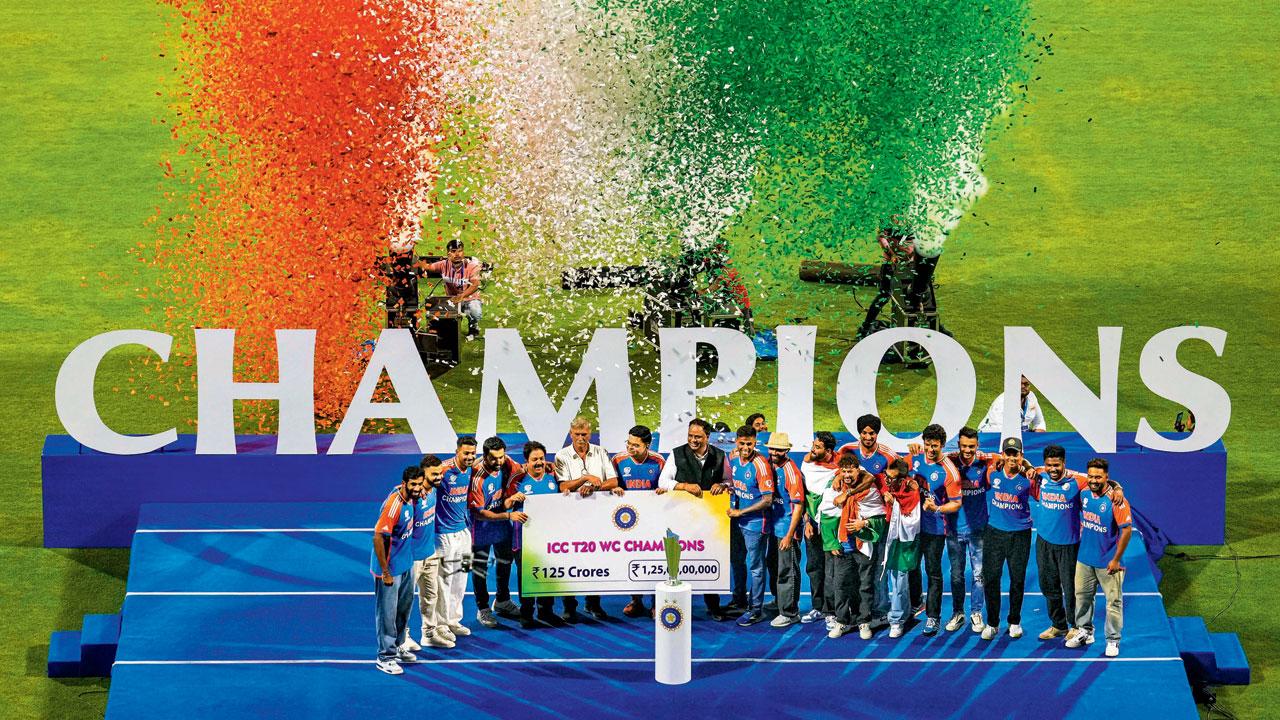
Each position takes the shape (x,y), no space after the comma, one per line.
(606,365)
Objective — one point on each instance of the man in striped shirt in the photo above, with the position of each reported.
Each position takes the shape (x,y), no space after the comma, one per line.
(461,283)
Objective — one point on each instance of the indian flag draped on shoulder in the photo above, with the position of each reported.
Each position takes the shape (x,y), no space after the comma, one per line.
(904,528)
(820,499)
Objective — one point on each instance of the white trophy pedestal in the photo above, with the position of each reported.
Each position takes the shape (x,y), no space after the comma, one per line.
(673,641)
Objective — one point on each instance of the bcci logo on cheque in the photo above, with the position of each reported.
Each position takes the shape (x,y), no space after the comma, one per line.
(625,517)
(671,617)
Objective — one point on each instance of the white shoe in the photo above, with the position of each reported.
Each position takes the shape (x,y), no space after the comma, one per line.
(989,632)
(975,622)
(812,616)
(830,620)
(895,630)
(1078,637)
(1015,631)
(446,633)
(390,667)
(783,621)
(459,630)
(404,656)
(839,629)
(1113,648)
(955,623)
(437,640)
(410,645)
(864,631)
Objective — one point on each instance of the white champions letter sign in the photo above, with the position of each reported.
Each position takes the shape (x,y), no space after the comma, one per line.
(418,404)
(957,381)
(1164,376)
(507,366)
(1093,416)
(218,391)
(680,392)
(795,383)
(73,393)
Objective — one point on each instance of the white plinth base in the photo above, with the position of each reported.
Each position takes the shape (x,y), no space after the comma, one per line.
(673,642)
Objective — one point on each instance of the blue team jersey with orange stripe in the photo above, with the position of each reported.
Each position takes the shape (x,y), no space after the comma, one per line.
(752,480)
(424,525)
(1057,513)
(641,475)
(395,521)
(1100,525)
(971,518)
(1009,501)
(452,514)
(788,485)
(875,463)
(529,486)
(940,480)
(488,490)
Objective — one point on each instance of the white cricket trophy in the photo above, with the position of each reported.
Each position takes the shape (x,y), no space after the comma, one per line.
(673,602)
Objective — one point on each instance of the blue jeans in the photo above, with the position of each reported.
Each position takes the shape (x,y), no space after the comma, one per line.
(392,604)
(899,595)
(757,545)
(958,546)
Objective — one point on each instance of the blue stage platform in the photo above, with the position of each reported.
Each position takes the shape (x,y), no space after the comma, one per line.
(1158,483)
(238,611)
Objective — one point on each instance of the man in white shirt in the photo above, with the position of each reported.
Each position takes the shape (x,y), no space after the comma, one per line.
(1032,418)
(585,468)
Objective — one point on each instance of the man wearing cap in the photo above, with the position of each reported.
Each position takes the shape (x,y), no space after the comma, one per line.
(787,520)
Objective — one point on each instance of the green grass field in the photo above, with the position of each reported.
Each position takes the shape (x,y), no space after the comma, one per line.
(1138,190)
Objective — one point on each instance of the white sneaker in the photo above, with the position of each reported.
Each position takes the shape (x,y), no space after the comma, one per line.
(975,622)
(446,633)
(438,640)
(864,631)
(1113,648)
(830,620)
(955,623)
(390,667)
(989,632)
(783,621)
(404,656)
(895,630)
(1015,631)
(459,630)
(410,645)
(839,629)
(812,616)
(1079,637)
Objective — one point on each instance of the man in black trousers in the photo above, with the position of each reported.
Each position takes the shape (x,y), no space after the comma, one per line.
(697,467)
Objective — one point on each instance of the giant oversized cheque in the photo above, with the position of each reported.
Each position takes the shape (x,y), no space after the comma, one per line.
(610,545)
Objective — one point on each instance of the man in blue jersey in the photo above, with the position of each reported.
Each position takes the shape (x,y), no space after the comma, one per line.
(749,513)
(534,479)
(1105,529)
(426,557)
(391,565)
(1056,516)
(453,539)
(491,530)
(965,528)
(1007,538)
(638,471)
(787,524)
(940,480)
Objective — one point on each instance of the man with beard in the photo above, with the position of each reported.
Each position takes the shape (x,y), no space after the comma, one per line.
(697,467)
(819,470)
(786,519)
(491,530)
(533,479)
(391,565)
(426,557)
(1104,534)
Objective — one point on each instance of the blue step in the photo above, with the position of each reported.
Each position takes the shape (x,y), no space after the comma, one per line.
(1194,645)
(64,654)
(1233,666)
(99,639)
